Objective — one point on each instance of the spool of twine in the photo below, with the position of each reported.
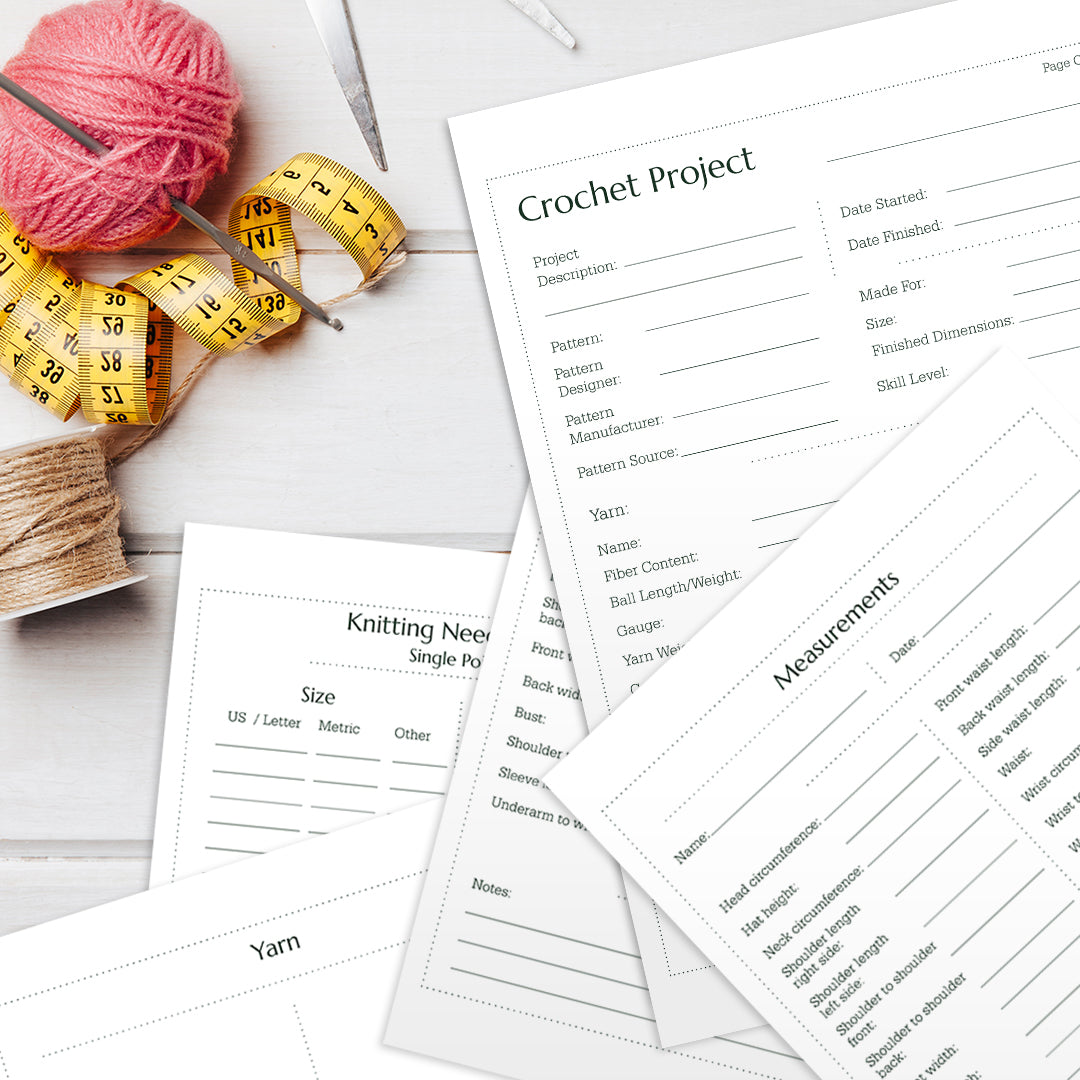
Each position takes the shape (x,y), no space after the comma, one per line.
(59,513)
(59,522)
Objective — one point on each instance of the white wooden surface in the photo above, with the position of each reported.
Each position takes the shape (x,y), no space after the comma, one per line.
(398,428)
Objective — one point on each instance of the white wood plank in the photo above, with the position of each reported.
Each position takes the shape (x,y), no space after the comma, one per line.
(37,889)
(401,423)
(83,703)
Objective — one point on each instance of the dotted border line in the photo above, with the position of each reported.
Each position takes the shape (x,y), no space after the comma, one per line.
(227,997)
(825,233)
(835,442)
(789,109)
(987,243)
(344,603)
(206,940)
(730,1069)
(393,671)
(303,1035)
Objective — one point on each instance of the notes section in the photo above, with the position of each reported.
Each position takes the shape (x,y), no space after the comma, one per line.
(880,854)
(315,683)
(279,968)
(523,937)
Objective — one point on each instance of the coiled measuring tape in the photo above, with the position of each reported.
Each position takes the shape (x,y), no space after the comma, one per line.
(67,343)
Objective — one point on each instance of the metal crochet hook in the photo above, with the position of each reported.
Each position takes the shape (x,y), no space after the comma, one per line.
(232,247)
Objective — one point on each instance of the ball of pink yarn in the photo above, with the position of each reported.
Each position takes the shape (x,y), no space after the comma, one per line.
(143,77)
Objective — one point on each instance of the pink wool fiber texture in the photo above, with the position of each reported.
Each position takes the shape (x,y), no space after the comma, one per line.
(143,77)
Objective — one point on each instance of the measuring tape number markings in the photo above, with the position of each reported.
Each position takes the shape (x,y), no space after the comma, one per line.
(67,343)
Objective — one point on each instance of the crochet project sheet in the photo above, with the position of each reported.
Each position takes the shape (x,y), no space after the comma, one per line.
(316,681)
(523,937)
(722,291)
(866,814)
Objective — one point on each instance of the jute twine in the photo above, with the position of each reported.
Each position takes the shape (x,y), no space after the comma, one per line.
(59,513)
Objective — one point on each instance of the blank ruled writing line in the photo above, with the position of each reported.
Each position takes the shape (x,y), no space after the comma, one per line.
(1049,963)
(551,993)
(708,247)
(267,802)
(244,825)
(235,850)
(261,776)
(1054,352)
(345,783)
(1026,944)
(759,1049)
(1002,563)
(897,839)
(343,809)
(1020,210)
(797,510)
(1043,288)
(421,764)
(348,757)
(922,772)
(982,926)
(1014,176)
(1066,637)
(1055,603)
(958,131)
(551,933)
(418,790)
(969,884)
(955,839)
(744,401)
(870,777)
(805,747)
(777,543)
(1043,258)
(759,438)
(551,963)
(1061,1042)
(1053,1010)
(271,749)
(1050,314)
(677,285)
(742,356)
(730,311)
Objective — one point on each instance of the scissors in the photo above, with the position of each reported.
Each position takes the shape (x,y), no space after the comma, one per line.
(335,27)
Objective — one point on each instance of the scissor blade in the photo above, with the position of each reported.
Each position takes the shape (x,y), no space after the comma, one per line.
(332,20)
(542,15)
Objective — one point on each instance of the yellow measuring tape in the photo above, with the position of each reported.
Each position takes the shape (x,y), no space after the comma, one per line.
(68,343)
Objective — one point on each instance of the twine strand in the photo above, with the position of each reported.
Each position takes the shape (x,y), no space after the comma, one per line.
(59,513)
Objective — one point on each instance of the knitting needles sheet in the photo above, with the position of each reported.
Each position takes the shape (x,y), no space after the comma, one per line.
(523,938)
(279,968)
(722,291)
(883,852)
(315,682)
